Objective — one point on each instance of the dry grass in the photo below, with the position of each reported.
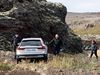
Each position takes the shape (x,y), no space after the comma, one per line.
(4,67)
(78,61)
(63,62)
(95,30)
(67,61)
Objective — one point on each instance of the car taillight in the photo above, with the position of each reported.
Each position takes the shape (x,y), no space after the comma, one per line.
(42,47)
(20,48)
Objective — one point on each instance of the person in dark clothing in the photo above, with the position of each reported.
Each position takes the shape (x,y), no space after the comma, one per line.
(94,49)
(56,43)
(15,41)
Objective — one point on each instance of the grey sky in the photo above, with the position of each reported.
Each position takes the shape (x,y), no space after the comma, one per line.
(80,5)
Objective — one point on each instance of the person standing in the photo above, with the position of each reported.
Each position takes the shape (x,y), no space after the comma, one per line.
(56,44)
(15,41)
(94,49)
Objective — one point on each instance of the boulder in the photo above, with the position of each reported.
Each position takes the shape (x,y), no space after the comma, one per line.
(39,18)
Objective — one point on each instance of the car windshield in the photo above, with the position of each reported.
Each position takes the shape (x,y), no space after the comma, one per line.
(31,43)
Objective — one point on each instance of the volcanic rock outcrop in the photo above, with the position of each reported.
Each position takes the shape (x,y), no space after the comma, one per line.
(37,18)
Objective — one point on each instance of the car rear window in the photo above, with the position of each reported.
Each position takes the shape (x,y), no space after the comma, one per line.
(31,43)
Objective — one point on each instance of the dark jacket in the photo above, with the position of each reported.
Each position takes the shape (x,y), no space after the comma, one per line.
(15,41)
(56,43)
(94,47)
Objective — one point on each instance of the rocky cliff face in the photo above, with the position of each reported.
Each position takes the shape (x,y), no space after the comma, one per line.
(37,18)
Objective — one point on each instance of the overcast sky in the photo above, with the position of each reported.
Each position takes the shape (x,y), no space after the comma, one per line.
(80,5)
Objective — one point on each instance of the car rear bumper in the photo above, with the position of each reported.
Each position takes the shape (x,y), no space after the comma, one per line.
(31,56)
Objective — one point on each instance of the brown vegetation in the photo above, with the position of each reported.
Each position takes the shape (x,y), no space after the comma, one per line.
(63,64)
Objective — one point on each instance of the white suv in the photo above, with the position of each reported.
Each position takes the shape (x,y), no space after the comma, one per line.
(31,48)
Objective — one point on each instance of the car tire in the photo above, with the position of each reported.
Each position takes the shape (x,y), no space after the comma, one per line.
(31,60)
(18,60)
(45,58)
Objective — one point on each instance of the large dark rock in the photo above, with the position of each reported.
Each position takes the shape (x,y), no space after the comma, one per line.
(39,18)
(5,5)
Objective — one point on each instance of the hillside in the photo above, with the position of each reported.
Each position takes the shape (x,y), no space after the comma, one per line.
(82,19)
(84,23)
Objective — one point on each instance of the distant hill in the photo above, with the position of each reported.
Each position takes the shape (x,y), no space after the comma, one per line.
(72,17)
(86,25)
(78,21)
(80,14)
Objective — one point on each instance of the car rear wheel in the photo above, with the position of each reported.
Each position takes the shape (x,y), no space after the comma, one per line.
(18,60)
(45,58)
(31,60)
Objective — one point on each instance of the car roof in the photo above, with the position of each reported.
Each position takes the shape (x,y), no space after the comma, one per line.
(32,39)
